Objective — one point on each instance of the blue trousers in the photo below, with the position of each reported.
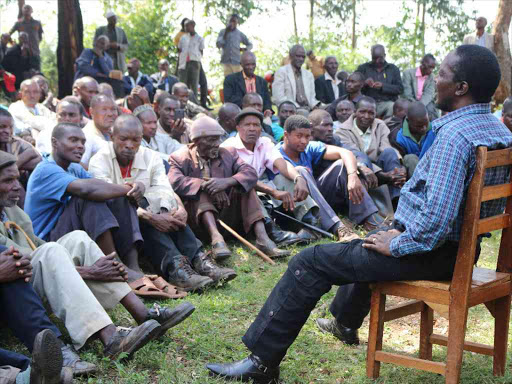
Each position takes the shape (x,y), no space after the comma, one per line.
(23,313)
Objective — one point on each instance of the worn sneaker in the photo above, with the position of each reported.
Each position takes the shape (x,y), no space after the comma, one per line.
(169,317)
(205,266)
(130,340)
(346,335)
(345,234)
(46,365)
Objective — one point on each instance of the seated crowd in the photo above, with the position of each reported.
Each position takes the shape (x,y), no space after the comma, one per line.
(116,198)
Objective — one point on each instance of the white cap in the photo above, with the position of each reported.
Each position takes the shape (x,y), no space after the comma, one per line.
(109,14)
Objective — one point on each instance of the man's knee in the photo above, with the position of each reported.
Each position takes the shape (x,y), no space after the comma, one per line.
(389,154)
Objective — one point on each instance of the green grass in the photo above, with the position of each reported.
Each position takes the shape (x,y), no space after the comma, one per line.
(213,334)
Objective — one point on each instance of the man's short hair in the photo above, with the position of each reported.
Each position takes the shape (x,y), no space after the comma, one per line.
(5,113)
(428,56)
(416,110)
(348,102)
(124,118)
(479,68)
(359,76)
(367,100)
(294,48)
(296,122)
(507,104)
(179,85)
(404,103)
(286,102)
(98,99)
(316,116)
(61,128)
(165,96)
(100,37)
(247,97)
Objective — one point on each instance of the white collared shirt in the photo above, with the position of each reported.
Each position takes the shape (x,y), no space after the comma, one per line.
(334,83)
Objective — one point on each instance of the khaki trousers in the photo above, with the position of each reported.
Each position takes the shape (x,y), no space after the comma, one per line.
(231,68)
(8,374)
(79,304)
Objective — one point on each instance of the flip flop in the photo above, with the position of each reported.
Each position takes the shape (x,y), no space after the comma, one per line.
(220,251)
(144,287)
(171,291)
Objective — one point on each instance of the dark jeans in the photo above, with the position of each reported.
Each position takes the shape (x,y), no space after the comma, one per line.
(161,247)
(13,359)
(313,272)
(95,218)
(387,161)
(203,84)
(23,313)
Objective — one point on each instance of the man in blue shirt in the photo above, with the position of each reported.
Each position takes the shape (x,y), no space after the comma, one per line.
(424,241)
(62,197)
(414,137)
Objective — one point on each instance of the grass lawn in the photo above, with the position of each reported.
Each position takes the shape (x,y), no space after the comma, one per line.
(213,333)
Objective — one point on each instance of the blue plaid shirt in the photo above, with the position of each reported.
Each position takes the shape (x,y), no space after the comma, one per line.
(432,202)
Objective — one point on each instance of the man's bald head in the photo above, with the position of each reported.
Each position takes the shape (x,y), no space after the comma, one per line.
(30,92)
(227,114)
(400,108)
(248,63)
(125,123)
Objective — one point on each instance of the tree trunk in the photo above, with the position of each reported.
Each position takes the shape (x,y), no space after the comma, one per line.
(502,49)
(311,23)
(423,28)
(416,27)
(70,43)
(295,21)
(21,3)
(354,37)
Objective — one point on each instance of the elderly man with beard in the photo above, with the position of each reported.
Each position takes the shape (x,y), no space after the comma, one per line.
(421,245)
(169,243)
(215,183)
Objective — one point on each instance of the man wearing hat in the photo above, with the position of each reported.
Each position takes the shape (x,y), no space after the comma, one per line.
(215,183)
(169,243)
(259,152)
(118,42)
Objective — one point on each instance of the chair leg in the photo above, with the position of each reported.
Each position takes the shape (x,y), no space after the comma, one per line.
(378,306)
(501,323)
(426,329)
(456,336)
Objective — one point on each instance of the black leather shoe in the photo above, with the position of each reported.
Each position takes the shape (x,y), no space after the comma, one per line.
(72,360)
(280,237)
(169,317)
(250,368)
(346,335)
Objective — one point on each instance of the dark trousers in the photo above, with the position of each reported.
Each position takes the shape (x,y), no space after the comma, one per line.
(203,84)
(23,313)
(160,247)
(313,272)
(387,161)
(333,183)
(13,359)
(95,218)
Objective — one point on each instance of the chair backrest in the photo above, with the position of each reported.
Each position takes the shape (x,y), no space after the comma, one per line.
(474,226)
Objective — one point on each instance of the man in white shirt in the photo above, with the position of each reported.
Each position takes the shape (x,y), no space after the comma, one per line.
(162,143)
(328,87)
(169,243)
(28,113)
(191,48)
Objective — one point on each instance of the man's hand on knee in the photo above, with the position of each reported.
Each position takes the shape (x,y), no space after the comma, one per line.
(107,269)
(380,241)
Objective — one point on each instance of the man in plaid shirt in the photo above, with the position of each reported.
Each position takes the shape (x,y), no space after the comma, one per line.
(423,243)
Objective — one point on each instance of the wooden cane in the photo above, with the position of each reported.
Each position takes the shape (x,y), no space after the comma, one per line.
(246,243)
(12,224)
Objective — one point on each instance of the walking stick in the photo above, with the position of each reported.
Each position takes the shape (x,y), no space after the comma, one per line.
(312,227)
(246,243)
(12,224)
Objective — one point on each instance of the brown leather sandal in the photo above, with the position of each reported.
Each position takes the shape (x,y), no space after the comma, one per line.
(144,287)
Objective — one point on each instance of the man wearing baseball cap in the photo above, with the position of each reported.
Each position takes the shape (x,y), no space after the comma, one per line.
(215,183)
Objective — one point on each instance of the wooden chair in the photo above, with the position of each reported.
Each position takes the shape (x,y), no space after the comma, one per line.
(469,287)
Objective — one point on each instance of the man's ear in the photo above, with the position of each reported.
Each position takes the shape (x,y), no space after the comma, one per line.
(462,88)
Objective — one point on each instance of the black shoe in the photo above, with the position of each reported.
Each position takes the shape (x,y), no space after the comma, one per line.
(205,266)
(130,340)
(73,361)
(346,335)
(169,317)
(307,235)
(185,278)
(280,237)
(250,368)
(46,365)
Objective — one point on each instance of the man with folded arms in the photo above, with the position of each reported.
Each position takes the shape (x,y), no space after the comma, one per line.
(215,183)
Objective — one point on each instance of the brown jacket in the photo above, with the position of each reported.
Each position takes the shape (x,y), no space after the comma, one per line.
(185,175)
(379,138)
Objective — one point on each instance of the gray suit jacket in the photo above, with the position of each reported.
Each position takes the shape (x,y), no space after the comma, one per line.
(411,87)
(472,39)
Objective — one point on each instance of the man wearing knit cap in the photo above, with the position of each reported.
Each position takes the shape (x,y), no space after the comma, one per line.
(215,183)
